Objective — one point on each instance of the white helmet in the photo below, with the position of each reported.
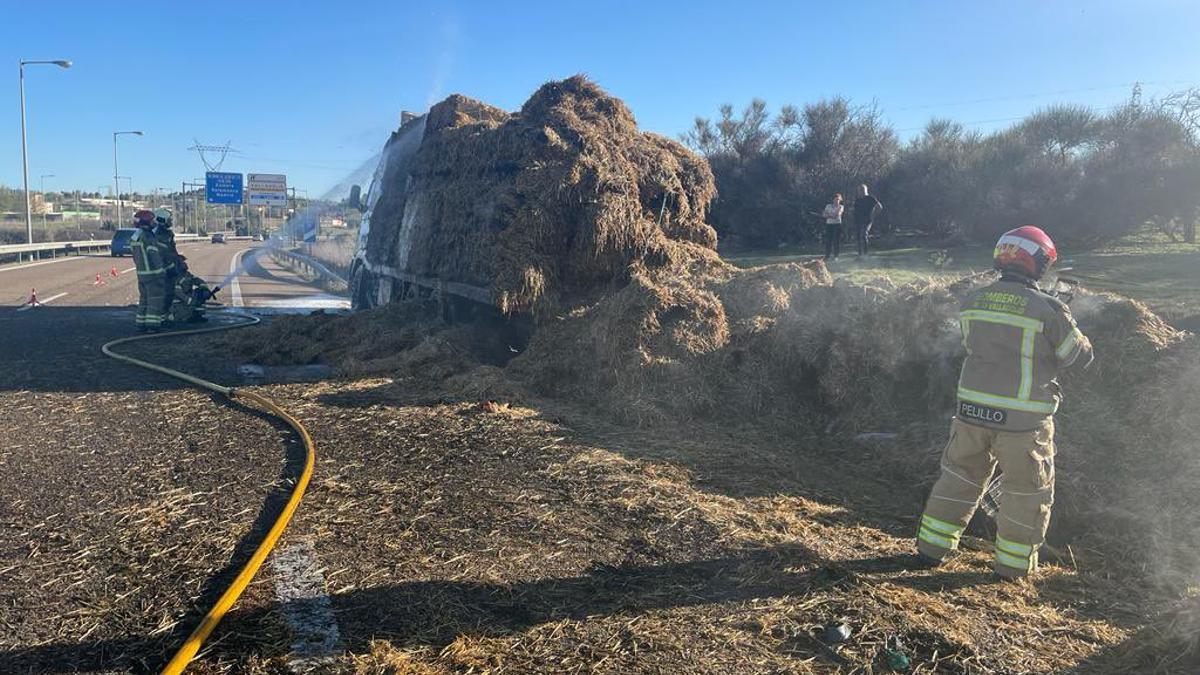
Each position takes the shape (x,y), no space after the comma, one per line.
(162,216)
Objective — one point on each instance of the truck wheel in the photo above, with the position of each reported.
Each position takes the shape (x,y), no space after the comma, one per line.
(362,289)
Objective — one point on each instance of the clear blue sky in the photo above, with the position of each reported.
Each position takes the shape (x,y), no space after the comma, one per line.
(311,89)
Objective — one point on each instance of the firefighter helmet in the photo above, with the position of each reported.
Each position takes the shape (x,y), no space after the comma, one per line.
(144,218)
(162,216)
(1027,251)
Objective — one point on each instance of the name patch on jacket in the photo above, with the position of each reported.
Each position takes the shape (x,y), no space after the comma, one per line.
(974,411)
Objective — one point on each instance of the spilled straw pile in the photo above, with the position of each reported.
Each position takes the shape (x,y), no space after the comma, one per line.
(573,217)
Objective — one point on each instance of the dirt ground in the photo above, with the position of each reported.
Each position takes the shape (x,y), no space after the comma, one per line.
(456,537)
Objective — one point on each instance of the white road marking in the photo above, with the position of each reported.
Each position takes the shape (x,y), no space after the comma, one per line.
(322,301)
(44,262)
(24,307)
(300,586)
(128,270)
(235,288)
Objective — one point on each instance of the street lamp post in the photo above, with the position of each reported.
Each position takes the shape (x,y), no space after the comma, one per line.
(201,205)
(116,172)
(129,186)
(24,143)
(42,185)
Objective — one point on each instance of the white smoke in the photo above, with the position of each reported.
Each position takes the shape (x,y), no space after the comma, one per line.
(360,176)
(1085,305)
(450,33)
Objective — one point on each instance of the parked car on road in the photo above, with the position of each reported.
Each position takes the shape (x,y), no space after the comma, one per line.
(258,237)
(218,238)
(120,242)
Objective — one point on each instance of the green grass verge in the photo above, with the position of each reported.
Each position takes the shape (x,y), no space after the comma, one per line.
(1163,274)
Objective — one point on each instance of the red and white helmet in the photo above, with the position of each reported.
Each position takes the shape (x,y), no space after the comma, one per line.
(144,218)
(1027,251)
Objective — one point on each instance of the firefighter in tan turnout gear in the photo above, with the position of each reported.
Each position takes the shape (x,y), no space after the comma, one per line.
(1017,339)
(148,258)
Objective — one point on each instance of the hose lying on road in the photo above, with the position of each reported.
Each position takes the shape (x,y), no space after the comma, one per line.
(231,594)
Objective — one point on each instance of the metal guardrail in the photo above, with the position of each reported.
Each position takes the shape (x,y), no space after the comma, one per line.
(53,247)
(317,267)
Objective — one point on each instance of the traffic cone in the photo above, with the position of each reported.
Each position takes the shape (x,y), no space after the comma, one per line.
(113,272)
(33,301)
(99,281)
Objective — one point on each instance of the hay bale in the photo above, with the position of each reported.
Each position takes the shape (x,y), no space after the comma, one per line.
(1129,440)
(550,207)
(767,290)
(457,111)
(671,344)
(621,351)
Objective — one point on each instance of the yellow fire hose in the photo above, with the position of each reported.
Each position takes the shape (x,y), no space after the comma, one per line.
(189,649)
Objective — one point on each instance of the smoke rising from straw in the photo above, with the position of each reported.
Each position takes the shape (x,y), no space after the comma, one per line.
(450,33)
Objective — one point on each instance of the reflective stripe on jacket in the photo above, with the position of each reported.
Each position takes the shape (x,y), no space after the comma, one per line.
(166,241)
(1017,340)
(147,254)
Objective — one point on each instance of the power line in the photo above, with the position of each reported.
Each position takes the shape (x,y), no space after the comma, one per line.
(1016,97)
(200,149)
(1003,119)
(311,163)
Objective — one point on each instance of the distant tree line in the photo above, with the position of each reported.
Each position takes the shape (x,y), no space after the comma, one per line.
(1089,177)
(13,199)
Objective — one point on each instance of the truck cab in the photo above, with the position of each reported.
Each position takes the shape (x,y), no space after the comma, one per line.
(373,275)
(401,250)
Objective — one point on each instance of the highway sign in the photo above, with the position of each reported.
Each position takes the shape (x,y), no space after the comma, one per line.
(311,227)
(267,189)
(221,187)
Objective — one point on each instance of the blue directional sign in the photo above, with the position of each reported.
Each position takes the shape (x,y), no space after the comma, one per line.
(311,228)
(221,187)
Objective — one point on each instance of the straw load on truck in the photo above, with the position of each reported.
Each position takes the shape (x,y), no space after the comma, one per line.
(535,211)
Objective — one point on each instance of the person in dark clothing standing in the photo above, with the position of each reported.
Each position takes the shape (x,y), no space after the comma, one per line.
(833,227)
(866,207)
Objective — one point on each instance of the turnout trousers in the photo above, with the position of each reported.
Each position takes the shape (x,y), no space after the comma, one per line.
(168,298)
(152,294)
(190,296)
(970,458)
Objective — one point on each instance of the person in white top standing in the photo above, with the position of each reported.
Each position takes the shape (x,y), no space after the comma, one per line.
(833,227)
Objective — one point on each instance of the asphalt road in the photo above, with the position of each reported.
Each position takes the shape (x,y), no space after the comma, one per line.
(85,441)
(105,281)
(56,347)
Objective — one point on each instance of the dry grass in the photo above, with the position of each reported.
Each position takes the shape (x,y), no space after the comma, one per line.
(337,252)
